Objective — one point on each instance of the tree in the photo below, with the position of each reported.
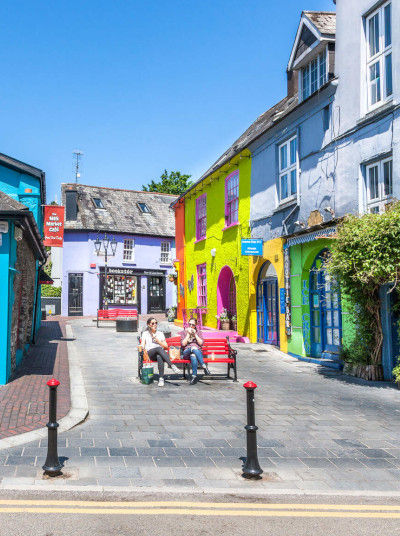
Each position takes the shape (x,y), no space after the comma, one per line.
(364,257)
(170,183)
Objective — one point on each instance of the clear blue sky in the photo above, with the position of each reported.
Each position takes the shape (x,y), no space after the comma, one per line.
(138,86)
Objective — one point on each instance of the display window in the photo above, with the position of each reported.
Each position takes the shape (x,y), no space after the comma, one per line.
(122,289)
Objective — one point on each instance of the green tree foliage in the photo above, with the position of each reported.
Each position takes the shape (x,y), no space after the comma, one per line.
(170,183)
(50,291)
(365,256)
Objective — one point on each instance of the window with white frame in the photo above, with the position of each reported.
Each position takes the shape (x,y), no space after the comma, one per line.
(287,186)
(379,55)
(165,253)
(314,75)
(129,251)
(379,183)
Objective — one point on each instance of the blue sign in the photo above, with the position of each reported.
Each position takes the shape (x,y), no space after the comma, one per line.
(282,296)
(252,246)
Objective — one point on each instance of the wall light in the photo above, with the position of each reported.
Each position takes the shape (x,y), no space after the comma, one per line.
(213,252)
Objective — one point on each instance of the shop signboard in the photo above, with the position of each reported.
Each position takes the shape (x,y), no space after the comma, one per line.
(252,246)
(53,227)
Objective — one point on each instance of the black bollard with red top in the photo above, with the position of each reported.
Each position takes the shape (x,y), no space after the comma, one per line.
(52,464)
(251,468)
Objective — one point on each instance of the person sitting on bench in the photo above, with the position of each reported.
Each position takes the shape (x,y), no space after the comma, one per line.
(191,343)
(154,342)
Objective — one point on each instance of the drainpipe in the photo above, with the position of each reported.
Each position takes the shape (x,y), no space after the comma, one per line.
(287,217)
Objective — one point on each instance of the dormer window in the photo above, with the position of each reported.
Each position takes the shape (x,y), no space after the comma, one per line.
(144,208)
(313,75)
(98,203)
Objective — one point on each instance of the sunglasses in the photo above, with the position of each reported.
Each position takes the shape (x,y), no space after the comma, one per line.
(153,323)
(192,325)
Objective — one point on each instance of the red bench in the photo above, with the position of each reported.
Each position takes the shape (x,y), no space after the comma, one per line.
(214,351)
(111,315)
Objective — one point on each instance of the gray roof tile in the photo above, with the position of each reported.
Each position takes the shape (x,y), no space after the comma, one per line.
(8,203)
(324,21)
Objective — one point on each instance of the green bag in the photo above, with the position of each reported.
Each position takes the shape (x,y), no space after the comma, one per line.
(147,373)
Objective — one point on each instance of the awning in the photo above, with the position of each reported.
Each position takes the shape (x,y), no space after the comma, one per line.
(44,279)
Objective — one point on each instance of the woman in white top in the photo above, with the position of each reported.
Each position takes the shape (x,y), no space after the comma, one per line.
(154,342)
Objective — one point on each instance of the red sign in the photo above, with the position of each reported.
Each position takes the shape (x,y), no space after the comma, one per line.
(53,226)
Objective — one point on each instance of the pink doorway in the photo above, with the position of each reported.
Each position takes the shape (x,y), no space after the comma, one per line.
(226,291)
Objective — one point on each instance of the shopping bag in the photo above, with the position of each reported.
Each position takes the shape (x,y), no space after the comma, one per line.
(147,373)
(146,358)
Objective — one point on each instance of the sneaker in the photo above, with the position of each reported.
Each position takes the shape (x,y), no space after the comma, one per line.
(193,380)
(175,369)
(206,370)
(161,382)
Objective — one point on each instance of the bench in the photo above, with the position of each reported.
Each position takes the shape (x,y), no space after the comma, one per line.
(112,315)
(214,351)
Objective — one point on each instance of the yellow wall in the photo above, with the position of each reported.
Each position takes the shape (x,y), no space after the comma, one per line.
(227,243)
(272,252)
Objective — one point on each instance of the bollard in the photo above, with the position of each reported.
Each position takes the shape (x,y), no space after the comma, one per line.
(52,464)
(251,468)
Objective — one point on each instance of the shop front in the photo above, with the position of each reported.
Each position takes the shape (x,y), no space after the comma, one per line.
(131,288)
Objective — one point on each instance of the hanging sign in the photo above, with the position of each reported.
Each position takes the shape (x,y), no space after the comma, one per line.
(53,227)
(252,246)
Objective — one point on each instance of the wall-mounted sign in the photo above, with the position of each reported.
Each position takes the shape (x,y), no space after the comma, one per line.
(252,246)
(53,227)
(191,284)
(282,299)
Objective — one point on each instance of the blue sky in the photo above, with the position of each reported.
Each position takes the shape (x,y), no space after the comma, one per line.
(138,86)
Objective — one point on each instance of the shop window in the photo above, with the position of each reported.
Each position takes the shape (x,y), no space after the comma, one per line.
(129,250)
(232,199)
(165,253)
(122,290)
(379,185)
(201,285)
(201,217)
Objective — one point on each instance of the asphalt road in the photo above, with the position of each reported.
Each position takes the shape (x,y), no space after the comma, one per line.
(85,514)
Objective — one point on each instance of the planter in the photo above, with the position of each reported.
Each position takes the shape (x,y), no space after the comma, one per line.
(234,325)
(366,372)
(224,325)
(126,325)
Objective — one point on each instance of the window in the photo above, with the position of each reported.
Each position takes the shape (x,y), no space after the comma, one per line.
(201,217)
(288,170)
(232,198)
(313,75)
(129,252)
(379,55)
(165,253)
(121,289)
(201,285)
(97,202)
(379,182)
(144,208)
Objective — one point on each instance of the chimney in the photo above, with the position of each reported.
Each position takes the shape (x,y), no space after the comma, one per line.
(71,204)
(292,83)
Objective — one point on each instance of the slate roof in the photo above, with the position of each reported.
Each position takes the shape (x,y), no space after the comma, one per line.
(324,21)
(8,203)
(121,213)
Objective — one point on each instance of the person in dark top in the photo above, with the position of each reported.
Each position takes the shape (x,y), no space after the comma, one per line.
(191,342)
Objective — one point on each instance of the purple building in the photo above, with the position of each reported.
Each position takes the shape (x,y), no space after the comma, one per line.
(143,227)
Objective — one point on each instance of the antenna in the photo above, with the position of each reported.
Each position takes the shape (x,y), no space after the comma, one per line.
(77,155)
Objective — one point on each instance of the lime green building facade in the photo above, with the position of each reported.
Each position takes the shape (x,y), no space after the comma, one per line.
(217,254)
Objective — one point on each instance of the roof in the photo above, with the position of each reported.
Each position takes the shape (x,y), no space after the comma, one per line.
(21,167)
(8,203)
(324,21)
(121,213)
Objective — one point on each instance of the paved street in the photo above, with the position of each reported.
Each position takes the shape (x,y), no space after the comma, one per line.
(318,430)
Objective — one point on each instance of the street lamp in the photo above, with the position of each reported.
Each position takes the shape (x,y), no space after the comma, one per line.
(106,243)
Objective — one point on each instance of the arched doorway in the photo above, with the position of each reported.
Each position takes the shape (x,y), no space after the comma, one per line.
(267,305)
(226,291)
(325,311)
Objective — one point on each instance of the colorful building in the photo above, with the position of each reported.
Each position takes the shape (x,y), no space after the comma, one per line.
(138,274)
(22,254)
(216,219)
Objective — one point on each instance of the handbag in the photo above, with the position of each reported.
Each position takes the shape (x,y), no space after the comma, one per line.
(146,358)
(174,353)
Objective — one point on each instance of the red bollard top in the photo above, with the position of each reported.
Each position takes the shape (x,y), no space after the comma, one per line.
(250,385)
(53,383)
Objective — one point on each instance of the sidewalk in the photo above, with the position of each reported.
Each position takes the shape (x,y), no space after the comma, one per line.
(24,400)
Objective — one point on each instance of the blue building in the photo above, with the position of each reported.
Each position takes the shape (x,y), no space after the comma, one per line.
(22,193)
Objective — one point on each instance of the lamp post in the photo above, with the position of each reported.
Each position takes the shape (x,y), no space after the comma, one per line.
(107,244)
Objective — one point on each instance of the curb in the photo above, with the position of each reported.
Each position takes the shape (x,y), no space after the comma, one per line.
(79,405)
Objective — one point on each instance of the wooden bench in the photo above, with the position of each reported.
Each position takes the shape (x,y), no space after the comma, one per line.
(112,315)
(214,351)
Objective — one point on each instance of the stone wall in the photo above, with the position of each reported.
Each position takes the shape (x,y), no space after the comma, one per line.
(24,299)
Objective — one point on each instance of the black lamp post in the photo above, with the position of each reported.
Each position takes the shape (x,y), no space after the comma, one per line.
(107,244)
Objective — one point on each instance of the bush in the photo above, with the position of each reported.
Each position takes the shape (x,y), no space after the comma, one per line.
(50,291)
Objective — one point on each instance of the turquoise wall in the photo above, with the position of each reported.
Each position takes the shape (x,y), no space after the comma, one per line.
(5,316)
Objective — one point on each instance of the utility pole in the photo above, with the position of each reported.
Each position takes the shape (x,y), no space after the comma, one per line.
(77,155)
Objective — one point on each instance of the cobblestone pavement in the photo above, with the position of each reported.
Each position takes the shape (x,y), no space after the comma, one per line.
(318,429)
(24,401)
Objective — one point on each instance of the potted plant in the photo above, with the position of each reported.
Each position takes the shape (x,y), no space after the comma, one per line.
(234,323)
(173,277)
(224,323)
(171,315)
(396,373)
